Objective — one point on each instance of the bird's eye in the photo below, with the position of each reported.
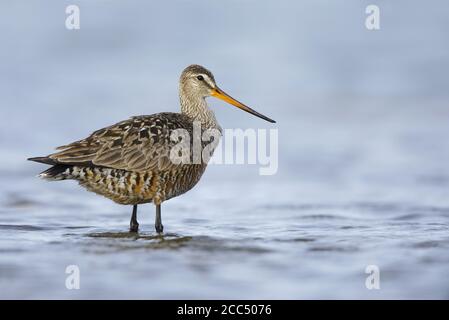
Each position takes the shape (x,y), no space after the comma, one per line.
(201,78)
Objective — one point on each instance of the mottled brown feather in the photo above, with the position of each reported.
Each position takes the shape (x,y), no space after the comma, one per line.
(124,146)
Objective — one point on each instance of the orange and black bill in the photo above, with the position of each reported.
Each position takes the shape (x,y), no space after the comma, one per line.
(220,94)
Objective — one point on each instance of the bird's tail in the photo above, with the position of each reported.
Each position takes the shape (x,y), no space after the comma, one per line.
(56,172)
(45,160)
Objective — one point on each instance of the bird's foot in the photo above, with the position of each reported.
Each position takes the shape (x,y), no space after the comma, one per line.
(133,227)
(159,228)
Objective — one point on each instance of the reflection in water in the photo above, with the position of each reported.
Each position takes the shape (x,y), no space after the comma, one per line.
(172,241)
(141,240)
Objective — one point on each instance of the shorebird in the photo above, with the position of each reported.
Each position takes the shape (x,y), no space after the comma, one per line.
(129,162)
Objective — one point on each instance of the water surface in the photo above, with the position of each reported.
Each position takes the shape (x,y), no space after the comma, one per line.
(363,150)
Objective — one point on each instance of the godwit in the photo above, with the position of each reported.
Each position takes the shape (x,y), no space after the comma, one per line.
(129,162)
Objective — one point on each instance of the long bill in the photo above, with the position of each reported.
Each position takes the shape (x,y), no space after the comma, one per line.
(220,94)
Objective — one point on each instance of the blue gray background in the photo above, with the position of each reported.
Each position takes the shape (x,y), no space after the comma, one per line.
(363,149)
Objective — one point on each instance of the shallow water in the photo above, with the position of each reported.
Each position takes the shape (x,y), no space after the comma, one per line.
(220,245)
(363,173)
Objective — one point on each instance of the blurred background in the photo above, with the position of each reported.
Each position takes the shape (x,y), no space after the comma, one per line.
(363,120)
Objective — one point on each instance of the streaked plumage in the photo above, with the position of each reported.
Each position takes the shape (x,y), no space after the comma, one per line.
(129,162)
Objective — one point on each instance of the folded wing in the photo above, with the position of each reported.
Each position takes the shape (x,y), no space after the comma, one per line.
(138,144)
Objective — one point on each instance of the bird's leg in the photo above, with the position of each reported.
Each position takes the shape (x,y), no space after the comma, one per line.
(158,223)
(133,224)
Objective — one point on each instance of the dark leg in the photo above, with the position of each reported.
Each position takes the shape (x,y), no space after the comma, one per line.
(158,223)
(133,224)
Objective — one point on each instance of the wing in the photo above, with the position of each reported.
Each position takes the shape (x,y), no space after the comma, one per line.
(137,144)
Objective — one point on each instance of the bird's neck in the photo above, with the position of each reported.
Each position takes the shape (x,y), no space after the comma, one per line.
(197,109)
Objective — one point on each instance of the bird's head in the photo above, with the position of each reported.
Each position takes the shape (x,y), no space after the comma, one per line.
(197,82)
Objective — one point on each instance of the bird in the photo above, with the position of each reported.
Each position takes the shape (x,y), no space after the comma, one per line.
(129,162)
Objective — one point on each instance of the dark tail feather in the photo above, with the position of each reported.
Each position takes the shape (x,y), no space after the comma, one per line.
(45,160)
(57,172)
